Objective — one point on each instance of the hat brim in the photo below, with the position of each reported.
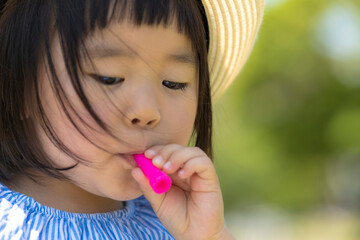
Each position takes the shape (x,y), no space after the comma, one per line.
(233,26)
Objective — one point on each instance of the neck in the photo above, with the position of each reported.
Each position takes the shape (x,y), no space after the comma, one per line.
(63,195)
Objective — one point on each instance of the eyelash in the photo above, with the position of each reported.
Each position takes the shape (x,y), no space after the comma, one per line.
(174,85)
(108,80)
(115,80)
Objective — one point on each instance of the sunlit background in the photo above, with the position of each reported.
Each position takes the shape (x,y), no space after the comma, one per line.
(287,132)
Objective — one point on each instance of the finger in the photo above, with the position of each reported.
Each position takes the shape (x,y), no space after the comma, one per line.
(164,153)
(205,178)
(199,165)
(151,152)
(179,157)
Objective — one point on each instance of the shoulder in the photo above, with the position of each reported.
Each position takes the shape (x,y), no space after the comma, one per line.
(11,213)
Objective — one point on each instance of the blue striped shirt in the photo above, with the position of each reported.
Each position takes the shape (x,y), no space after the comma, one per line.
(21,217)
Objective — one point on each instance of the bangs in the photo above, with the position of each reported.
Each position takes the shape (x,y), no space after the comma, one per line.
(139,12)
(97,14)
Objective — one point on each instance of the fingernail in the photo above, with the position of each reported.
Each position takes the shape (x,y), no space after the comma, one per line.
(157,160)
(181,172)
(150,153)
(167,165)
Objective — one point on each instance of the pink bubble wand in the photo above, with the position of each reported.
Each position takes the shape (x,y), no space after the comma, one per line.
(159,181)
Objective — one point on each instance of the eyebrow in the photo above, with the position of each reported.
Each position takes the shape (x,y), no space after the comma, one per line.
(185,58)
(182,57)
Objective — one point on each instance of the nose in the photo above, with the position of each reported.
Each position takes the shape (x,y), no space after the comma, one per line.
(143,111)
(144,120)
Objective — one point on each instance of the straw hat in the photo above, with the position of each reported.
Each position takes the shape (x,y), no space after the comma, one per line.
(233,25)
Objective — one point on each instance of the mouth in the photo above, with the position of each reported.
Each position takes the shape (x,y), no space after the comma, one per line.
(129,158)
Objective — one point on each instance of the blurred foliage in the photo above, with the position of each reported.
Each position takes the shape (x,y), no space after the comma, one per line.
(290,114)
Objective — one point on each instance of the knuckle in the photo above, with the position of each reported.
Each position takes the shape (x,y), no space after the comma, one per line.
(155,148)
(198,149)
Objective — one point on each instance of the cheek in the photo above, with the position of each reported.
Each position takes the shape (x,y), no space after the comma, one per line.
(65,131)
(182,118)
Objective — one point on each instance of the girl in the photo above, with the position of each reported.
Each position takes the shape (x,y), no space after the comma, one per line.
(86,84)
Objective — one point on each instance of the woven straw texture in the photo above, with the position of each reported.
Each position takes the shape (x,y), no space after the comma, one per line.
(233,26)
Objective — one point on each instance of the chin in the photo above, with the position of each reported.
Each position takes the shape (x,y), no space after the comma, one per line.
(125,194)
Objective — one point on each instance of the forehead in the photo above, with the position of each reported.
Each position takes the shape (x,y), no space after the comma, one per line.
(129,41)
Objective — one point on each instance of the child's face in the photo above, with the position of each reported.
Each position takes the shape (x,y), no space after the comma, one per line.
(141,109)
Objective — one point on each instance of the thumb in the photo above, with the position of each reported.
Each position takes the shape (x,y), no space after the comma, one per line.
(154,198)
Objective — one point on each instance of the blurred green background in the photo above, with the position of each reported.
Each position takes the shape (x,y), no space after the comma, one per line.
(287,131)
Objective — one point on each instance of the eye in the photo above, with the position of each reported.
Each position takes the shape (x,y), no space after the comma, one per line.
(108,80)
(174,85)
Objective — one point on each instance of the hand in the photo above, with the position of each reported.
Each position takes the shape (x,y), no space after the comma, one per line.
(193,207)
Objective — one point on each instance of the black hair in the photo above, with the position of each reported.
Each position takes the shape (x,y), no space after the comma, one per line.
(27,28)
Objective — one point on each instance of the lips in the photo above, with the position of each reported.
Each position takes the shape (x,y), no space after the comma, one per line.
(129,158)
